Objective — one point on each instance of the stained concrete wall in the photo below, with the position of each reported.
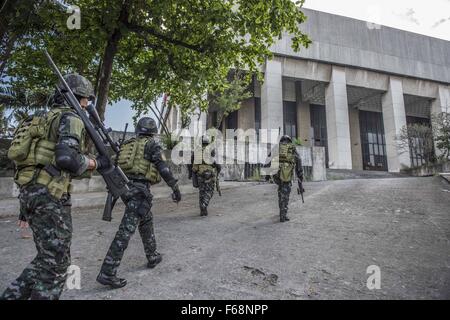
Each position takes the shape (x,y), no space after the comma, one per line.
(303,119)
(350,42)
(355,139)
(246,115)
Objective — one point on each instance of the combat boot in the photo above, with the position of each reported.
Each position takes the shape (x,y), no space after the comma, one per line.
(154,260)
(283,216)
(111,281)
(203,212)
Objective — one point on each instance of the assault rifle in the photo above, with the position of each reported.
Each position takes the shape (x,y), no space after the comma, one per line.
(115,146)
(116,181)
(219,191)
(300,189)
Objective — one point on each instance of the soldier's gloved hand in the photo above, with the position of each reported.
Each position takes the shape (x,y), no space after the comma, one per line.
(102,162)
(176,195)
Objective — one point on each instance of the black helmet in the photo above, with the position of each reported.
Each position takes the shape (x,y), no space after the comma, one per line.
(205,140)
(285,139)
(79,85)
(146,126)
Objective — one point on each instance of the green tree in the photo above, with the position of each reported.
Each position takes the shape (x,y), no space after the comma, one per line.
(229,100)
(441,128)
(141,49)
(417,140)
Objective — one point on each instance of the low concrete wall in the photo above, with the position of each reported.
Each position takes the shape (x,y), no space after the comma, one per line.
(8,188)
(313,162)
(429,170)
(319,169)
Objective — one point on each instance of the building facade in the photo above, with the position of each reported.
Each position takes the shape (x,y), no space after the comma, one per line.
(352,91)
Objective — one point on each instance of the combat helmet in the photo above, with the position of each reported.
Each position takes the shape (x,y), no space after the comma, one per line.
(286,139)
(205,140)
(79,85)
(146,126)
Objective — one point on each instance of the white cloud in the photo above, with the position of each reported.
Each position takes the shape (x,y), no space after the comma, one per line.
(411,15)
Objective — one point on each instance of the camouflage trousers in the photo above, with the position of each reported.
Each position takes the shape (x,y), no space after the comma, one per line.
(137,214)
(206,191)
(51,223)
(284,191)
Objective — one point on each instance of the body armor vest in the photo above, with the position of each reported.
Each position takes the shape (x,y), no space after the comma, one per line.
(286,161)
(132,161)
(33,150)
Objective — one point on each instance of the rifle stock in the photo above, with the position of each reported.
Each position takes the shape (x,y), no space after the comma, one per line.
(110,199)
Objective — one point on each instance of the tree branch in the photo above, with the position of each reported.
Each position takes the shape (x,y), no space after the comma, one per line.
(147,30)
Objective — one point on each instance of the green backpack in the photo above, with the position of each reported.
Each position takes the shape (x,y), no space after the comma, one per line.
(131,160)
(30,145)
(286,161)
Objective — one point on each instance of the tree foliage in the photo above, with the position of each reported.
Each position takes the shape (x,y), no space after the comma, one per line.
(417,140)
(141,49)
(441,128)
(229,100)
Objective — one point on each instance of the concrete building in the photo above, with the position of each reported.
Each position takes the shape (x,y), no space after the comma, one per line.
(352,91)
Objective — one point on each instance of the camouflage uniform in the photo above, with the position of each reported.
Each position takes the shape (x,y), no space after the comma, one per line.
(206,182)
(284,188)
(51,223)
(137,214)
(284,191)
(206,192)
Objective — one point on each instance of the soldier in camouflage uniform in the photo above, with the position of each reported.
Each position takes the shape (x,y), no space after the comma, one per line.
(141,160)
(44,169)
(289,160)
(204,177)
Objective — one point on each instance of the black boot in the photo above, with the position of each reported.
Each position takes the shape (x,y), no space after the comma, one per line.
(203,212)
(154,260)
(283,216)
(111,281)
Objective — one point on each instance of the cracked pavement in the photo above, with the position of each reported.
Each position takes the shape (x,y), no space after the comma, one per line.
(241,251)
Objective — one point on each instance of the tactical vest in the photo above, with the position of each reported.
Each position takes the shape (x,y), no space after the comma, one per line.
(131,160)
(204,170)
(33,148)
(286,161)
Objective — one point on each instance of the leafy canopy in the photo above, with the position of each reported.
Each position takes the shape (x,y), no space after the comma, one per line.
(181,47)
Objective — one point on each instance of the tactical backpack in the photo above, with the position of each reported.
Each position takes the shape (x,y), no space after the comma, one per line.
(131,160)
(204,170)
(31,151)
(286,161)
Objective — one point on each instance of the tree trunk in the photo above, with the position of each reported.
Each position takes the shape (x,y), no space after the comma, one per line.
(108,59)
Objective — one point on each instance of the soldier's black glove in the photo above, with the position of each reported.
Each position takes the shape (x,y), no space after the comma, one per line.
(176,195)
(103,162)
(22,217)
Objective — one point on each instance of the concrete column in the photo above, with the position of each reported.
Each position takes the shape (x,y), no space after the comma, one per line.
(441,104)
(394,118)
(303,118)
(338,128)
(355,139)
(246,115)
(272,97)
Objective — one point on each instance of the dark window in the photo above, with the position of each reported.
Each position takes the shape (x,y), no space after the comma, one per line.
(257,114)
(232,120)
(213,119)
(319,126)
(373,143)
(290,118)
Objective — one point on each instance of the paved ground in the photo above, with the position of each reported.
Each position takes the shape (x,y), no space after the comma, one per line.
(241,251)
